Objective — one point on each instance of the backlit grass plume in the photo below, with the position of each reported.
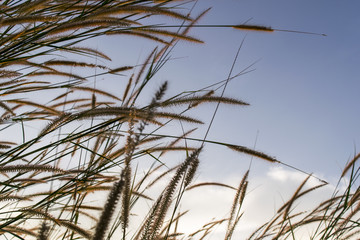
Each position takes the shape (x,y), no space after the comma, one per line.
(68,137)
(108,211)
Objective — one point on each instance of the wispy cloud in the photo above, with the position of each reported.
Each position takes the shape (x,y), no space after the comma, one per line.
(266,194)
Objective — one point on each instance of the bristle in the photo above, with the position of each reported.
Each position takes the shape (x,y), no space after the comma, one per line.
(43,232)
(73,64)
(138,34)
(32,6)
(55,123)
(127,89)
(191,172)
(108,211)
(253,28)
(138,114)
(81,25)
(75,228)
(144,65)
(62,104)
(154,31)
(13,198)
(210,184)
(27,19)
(195,104)
(55,73)
(140,10)
(350,164)
(292,199)
(120,69)
(8,109)
(25,168)
(252,152)
(168,193)
(162,176)
(86,50)
(131,143)
(95,90)
(9,74)
(193,22)
(173,143)
(93,101)
(203,99)
(19,230)
(237,202)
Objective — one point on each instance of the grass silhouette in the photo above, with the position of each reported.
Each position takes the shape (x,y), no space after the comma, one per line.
(91,145)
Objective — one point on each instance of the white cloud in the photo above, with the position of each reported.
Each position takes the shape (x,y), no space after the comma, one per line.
(265,195)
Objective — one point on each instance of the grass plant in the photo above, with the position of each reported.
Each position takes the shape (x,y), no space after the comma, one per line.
(52,182)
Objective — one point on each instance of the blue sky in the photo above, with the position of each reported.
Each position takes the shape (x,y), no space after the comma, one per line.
(303,90)
(303,93)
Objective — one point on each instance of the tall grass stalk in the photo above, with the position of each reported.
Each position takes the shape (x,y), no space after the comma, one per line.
(53,181)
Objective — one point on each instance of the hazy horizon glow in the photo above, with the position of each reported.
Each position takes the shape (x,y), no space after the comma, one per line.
(302,90)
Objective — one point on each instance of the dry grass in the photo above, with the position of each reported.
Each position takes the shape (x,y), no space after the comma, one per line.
(88,145)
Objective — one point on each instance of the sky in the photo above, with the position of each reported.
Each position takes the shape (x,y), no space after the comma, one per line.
(302,90)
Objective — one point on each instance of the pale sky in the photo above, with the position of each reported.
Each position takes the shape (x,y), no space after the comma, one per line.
(303,95)
(303,90)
